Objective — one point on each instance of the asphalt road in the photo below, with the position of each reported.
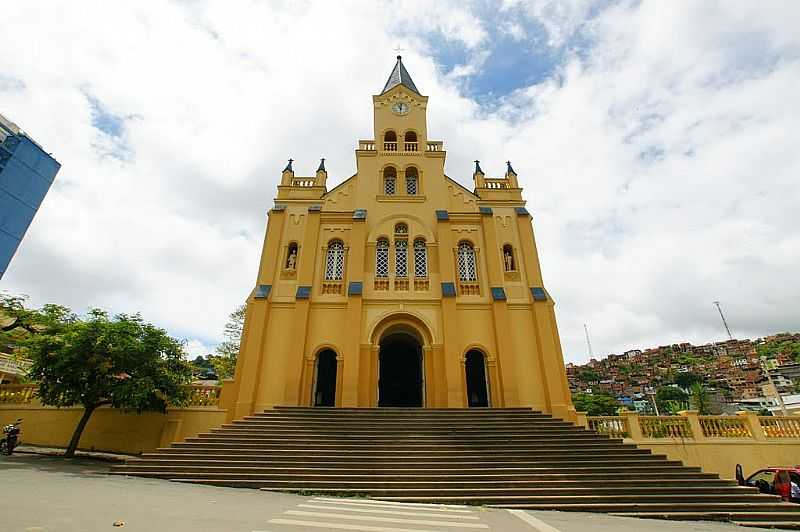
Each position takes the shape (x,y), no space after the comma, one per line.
(51,494)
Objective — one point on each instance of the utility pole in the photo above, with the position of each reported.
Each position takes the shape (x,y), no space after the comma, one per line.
(588,343)
(725,323)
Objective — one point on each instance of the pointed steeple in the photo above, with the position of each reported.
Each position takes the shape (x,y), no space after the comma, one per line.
(321,165)
(400,76)
(478,167)
(289,166)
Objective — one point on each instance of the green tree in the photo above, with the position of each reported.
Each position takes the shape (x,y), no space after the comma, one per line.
(224,361)
(120,361)
(700,399)
(588,375)
(596,404)
(670,399)
(687,380)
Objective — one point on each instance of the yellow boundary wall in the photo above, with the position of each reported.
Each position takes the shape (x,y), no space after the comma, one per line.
(111,429)
(715,443)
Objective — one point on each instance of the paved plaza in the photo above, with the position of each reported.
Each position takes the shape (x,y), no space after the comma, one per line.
(51,494)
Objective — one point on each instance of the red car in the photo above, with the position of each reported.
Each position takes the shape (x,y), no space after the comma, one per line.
(783,481)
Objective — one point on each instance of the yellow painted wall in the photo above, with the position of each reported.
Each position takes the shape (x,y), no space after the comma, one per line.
(722,457)
(283,334)
(110,429)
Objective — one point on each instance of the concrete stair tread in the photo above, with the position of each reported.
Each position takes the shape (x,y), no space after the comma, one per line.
(501,457)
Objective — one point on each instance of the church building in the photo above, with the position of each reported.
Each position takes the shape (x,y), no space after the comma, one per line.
(400,287)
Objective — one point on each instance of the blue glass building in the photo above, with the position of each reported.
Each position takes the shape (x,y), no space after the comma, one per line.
(26,173)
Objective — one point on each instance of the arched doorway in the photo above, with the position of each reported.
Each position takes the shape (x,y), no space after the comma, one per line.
(477,388)
(400,378)
(325,379)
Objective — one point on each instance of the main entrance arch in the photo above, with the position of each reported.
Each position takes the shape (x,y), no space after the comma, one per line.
(325,379)
(400,371)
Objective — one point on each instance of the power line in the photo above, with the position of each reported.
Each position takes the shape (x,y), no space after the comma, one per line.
(725,323)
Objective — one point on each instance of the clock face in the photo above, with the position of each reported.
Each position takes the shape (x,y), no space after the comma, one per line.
(400,108)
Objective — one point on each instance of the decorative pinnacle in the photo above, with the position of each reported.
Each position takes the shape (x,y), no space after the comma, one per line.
(321,165)
(289,166)
(478,167)
(510,170)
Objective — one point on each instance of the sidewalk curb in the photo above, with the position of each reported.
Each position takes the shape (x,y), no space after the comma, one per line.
(59,453)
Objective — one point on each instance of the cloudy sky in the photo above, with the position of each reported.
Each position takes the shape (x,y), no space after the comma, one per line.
(657,142)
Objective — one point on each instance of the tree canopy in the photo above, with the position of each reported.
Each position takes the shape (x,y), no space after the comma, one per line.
(227,352)
(120,361)
(596,404)
(686,380)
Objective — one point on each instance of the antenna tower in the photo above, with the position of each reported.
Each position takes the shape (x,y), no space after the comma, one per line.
(725,323)
(588,343)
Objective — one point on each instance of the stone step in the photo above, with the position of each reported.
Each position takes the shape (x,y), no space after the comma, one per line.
(452,446)
(406,443)
(616,508)
(391,411)
(672,470)
(379,486)
(739,517)
(372,476)
(531,496)
(501,457)
(413,437)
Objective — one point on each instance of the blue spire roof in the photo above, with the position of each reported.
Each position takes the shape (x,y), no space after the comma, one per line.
(399,76)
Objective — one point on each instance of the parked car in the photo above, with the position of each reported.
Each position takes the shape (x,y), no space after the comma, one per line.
(783,481)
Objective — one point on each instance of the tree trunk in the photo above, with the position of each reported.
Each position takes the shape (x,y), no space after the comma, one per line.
(76,436)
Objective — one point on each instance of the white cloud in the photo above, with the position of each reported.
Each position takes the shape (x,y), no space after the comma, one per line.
(660,165)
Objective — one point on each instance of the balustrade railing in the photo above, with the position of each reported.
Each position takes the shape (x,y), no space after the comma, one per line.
(203,395)
(17,394)
(304,183)
(434,146)
(469,288)
(381,283)
(665,427)
(411,146)
(20,394)
(724,427)
(401,283)
(614,426)
(421,284)
(389,146)
(691,426)
(332,287)
(366,145)
(496,183)
(780,426)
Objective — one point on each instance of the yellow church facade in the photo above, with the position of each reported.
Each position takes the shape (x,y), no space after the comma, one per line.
(400,287)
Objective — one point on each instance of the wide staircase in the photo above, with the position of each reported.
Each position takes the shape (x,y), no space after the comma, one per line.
(509,457)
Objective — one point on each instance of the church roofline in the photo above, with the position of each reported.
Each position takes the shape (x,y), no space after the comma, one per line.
(400,76)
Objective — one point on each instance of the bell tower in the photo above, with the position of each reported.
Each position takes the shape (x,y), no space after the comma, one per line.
(400,120)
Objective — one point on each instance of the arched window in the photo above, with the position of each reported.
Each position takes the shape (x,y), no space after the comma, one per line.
(420,258)
(389,180)
(390,141)
(291,257)
(509,263)
(334,264)
(401,258)
(411,141)
(382,258)
(401,229)
(466,262)
(411,181)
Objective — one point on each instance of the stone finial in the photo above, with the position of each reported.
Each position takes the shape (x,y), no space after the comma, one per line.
(478,167)
(289,166)
(509,169)
(321,165)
